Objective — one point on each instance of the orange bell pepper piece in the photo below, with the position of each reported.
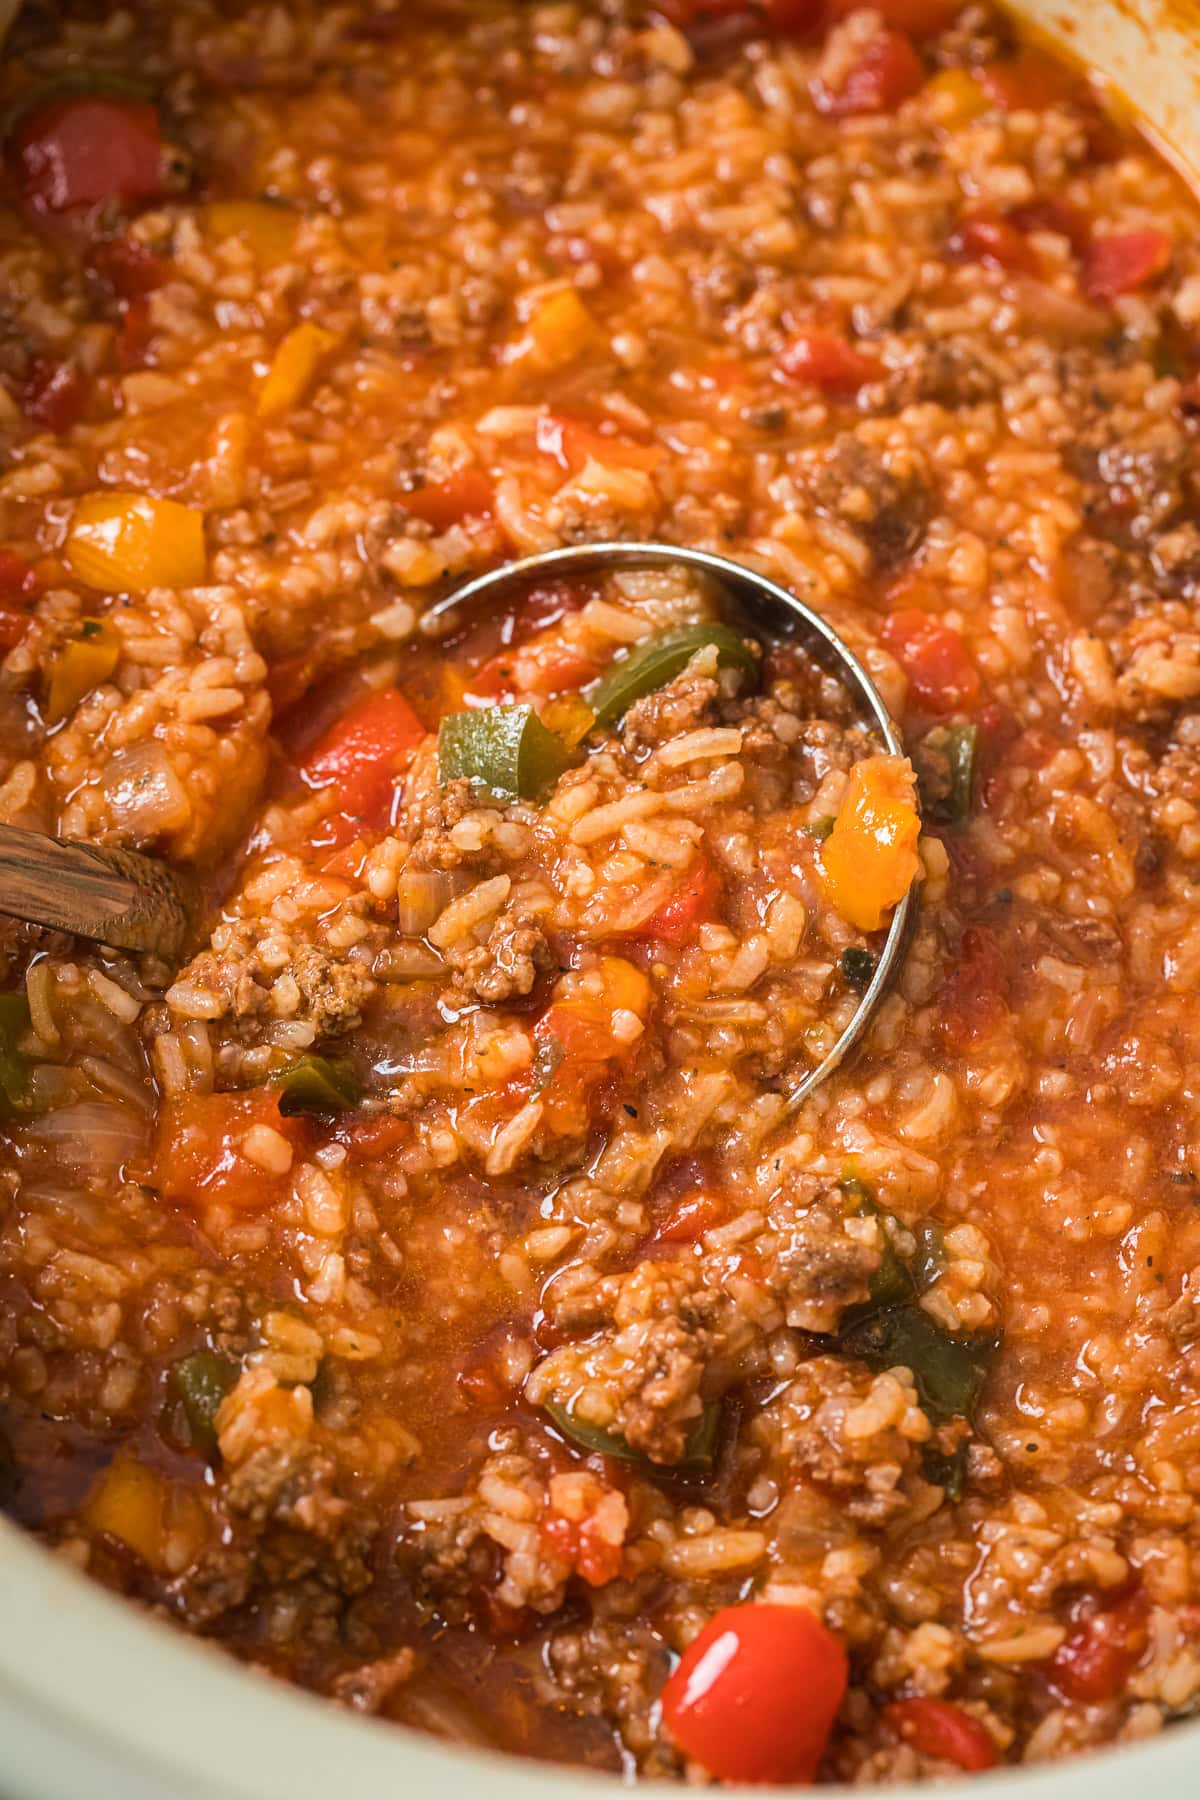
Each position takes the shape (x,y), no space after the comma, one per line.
(869,860)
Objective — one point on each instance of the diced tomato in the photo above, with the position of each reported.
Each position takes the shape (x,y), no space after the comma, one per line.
(573,443)
(919,18)
(127,267)
(580,1544)
(87,149)
(1094,1663)
(133,340)
(199,1156)
(938,1728)
(694,902)
(575,1043)
(1030,80)
(467,494)
(987,238)
(376,1136)
(360,755)
(578,1052)
(941,675)
(690,1218)
(755,1694)
(18,586)
(52,394)
(886,74)
(824,360)
(975,993)
(1124,262)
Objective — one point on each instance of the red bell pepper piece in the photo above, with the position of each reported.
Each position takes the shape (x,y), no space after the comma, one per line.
(360,755)
(939,1728)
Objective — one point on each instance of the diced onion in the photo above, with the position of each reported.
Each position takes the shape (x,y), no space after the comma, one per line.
(145,795)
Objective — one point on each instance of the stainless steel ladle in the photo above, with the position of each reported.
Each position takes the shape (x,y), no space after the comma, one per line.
(761,601)
(134,902)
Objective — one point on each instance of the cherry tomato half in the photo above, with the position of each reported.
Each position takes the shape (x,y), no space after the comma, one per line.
(755,1695)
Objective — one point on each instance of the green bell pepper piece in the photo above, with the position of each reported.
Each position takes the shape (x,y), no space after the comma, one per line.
(945,760)
(505,749)
(200,1382)
(698,1451)
(892,1283)
(657,660)
(949,1371)
(317,1084)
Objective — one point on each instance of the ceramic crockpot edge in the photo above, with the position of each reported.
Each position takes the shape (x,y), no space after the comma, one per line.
(98,1698)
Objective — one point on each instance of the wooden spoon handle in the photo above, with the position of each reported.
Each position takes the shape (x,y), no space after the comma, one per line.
(114,897)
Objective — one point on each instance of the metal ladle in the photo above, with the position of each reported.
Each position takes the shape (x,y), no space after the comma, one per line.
(765,602)
(134,902)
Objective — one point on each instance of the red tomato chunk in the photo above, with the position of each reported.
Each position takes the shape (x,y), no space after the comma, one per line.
(940,672)
(52,395)
(467,494)
(826,361)
(1095,1662)
(987,238)
(18,585)
(888,72)
(205,1153)
(82,151)
(938,1728)
(1124,262)
(755,1695)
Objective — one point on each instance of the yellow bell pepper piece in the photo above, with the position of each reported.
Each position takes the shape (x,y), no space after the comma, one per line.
(269,231)
(955,97)
(869,859)
(569,717)
(293,367)
(558,331)
(80,666)
(128,1504)
(128,543)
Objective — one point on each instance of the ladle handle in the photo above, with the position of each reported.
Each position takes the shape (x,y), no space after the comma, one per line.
(113,897)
